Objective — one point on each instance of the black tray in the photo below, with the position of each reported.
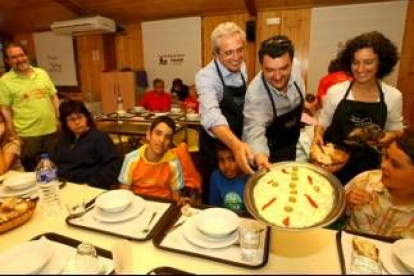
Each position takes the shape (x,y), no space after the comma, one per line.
(174,216)
(339,244)
(73,243)
(155,229)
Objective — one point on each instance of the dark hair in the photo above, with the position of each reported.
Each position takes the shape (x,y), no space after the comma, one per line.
(220,146)
(177,81)
(335,66)
(69,107)
(163,119)
(276,46)
(406,144)
(385,49)
(13,45)
(157,81)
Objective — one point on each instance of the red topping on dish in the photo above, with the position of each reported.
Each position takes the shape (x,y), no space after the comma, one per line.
(269,203)
(284,171)
(311,201)
(286,221)
(310,179)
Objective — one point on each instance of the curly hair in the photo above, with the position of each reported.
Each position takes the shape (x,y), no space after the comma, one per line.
(382,46)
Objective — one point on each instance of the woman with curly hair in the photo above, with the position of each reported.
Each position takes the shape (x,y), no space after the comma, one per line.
(84,154)
(366,100)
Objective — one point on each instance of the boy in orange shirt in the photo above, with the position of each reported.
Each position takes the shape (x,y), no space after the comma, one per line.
(154,169)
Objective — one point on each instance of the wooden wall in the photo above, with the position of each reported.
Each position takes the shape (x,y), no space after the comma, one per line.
(90,60)
(295,24)
(406,72)
(129,48)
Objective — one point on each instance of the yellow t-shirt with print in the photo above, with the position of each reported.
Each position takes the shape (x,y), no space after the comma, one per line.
(29,99)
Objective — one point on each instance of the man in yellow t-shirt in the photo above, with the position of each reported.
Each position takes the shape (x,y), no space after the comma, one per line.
(154,169)
(29,105)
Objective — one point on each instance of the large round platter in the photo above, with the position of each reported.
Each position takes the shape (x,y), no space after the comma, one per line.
(338,195)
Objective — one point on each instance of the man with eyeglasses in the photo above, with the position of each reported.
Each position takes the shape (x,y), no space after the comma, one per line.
(29,105)
(274,104)
(222,88)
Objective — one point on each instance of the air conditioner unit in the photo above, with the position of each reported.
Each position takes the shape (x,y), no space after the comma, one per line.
(87,25)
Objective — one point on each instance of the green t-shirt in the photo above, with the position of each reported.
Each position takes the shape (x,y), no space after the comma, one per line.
(29,99)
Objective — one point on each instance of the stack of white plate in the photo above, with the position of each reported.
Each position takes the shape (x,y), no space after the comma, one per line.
(212,228)
(399,257)
(35,257)
(19,184)
(117,205)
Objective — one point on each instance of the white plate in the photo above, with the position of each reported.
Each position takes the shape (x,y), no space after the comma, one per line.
(136,208)
(217,222)
(194,236)
(7,192)
(20,181)
(115,201)
(391,262)
(60,257)
(26,258)
(404,250)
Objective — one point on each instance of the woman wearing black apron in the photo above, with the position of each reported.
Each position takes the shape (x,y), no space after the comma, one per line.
(367,100)
(349,115)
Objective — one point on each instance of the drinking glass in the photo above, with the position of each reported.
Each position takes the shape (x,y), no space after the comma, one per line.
(249,238)
(86,260)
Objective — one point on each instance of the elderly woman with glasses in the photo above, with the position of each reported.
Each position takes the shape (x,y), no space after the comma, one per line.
(381,202)
(363,102)
(83,154)
(274,104)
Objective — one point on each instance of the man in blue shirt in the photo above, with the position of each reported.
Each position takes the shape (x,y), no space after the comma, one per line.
(222,88)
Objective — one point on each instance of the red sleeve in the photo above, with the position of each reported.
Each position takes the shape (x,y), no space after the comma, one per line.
(144,101)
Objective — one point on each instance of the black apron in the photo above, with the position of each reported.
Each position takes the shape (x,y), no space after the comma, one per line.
(347,116)
(231,107)
(284,131)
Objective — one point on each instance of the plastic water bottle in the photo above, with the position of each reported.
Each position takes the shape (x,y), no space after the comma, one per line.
(46,178)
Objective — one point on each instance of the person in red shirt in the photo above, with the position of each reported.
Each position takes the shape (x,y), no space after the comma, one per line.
(191,102)
(335,75)
(157,100)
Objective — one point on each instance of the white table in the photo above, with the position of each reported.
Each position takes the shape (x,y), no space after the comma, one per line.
(310,252)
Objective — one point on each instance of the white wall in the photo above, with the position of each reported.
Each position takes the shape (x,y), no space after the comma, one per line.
(55,54)
(332,26)
(178,43)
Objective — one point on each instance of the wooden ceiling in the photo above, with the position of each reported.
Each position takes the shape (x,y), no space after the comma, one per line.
(37,15)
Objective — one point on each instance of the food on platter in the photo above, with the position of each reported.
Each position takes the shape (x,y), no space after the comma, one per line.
(365,257)
(329,157)
(293,196)
(15,211)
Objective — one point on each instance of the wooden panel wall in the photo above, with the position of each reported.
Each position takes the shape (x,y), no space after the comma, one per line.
(295,24)
(129,48)
(90,55)
(406,72)
(209,23)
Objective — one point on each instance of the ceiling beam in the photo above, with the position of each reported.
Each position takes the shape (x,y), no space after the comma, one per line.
(73,7)
(251,7)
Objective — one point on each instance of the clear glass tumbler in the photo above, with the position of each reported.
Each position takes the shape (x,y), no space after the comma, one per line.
(86,261)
